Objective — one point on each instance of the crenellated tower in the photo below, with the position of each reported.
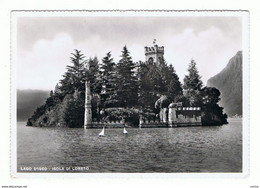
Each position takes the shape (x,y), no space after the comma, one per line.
(154,54)
(88,112)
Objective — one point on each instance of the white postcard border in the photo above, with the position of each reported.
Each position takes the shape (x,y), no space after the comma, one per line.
(246,85)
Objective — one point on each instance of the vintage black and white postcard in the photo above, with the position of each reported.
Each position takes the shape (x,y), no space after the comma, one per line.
(129,92)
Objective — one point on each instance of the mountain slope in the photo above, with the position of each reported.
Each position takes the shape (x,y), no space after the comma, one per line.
(28,101)
(229,82)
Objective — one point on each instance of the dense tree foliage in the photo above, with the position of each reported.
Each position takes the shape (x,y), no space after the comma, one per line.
(73,113)
(205,97)
(75,76)
(127,86)
(65,106)
(109,87)
(124,90)
(156,80)
(93,75)
(193,85)
(212,113)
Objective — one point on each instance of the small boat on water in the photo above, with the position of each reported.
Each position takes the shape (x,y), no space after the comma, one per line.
(102,133)
(125,132)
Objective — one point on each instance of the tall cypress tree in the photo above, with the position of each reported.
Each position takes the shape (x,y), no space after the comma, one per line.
(126,81)
(193,85)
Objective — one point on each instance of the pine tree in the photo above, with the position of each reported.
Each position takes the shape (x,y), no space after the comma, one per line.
(108,75)
(164,75)
(126,81)
(170,84)
(149,84)
(207,98)
(193,80)
(193,85)
(93,75)
(75,77)
(157,78)
(174,86)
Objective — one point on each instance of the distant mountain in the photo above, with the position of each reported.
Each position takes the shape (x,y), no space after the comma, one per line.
(28,101)
(229,82)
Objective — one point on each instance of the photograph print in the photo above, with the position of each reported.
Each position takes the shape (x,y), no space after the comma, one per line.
(128,92)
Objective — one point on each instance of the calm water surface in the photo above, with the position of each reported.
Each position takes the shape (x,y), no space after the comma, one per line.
(193,149)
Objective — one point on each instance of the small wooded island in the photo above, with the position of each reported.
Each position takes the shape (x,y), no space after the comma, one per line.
(147,94)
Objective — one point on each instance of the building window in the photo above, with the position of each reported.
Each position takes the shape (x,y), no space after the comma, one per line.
(160,59)
(150,60)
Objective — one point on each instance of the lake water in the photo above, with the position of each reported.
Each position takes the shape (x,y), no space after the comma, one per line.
(189,149)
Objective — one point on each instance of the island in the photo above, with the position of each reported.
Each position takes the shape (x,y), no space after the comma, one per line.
(126,93)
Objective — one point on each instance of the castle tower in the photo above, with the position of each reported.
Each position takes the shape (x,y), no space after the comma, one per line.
(88,112)
(154,54)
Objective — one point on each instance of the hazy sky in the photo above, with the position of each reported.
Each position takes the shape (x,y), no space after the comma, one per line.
(44,44)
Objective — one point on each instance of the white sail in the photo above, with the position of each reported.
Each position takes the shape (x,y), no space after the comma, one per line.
(125,132)
(102,133)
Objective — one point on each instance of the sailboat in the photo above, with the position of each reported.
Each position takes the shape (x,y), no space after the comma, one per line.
(102,133)
(125,132)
